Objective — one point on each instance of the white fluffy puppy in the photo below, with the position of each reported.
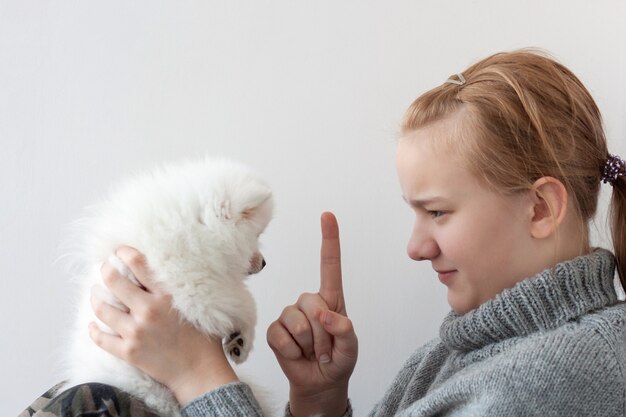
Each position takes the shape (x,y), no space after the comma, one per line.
(198,225)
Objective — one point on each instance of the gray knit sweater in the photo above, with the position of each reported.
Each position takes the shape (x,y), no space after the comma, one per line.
(553,345)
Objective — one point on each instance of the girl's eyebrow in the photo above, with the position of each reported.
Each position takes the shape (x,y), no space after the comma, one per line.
(423,201)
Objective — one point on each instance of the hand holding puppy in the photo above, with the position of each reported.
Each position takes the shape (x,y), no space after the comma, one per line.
(186,361)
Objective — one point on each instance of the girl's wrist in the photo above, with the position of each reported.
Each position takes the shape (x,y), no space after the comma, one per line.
(204,376)
(331,403)
(195,387)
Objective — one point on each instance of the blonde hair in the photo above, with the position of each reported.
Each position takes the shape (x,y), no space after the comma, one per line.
(525,116)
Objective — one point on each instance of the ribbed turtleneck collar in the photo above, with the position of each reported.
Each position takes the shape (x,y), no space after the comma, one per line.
(545,301)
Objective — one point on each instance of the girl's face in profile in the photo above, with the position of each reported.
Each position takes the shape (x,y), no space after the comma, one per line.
(476,239)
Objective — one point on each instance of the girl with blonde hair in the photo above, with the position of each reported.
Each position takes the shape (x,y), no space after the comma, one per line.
(502,165)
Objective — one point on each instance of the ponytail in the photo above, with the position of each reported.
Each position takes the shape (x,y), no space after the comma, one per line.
(617,215)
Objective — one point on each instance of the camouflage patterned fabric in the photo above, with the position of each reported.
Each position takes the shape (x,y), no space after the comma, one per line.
(87,400)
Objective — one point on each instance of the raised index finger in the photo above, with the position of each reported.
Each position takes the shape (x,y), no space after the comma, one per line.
(331,288)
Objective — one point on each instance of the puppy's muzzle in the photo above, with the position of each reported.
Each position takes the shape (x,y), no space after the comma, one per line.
(257,263)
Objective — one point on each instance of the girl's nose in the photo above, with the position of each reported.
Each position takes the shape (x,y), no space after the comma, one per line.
(421,246)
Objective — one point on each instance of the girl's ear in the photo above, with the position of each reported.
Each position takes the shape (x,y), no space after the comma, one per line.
(550,204)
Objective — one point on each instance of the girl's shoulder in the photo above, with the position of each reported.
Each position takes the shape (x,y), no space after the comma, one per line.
(578,368)
(605,329)
(595,341)
(583,360)
(606,326)
(614,315)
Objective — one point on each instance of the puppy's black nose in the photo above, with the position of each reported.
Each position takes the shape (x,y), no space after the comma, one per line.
(263,263)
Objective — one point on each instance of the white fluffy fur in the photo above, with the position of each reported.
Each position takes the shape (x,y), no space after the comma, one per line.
(198,224)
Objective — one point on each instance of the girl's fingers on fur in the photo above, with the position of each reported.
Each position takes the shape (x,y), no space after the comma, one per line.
(136,262)
(102,294)
(121,267)
(298,326)
(110,343)
(116,319)
(121,287)
(280,341)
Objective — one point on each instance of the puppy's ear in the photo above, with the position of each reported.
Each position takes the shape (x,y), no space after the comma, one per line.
(253,201)
(257,204)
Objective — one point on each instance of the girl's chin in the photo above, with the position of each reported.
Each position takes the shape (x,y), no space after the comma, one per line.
(459,306)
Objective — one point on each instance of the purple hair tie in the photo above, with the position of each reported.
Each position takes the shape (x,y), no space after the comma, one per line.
(614,168)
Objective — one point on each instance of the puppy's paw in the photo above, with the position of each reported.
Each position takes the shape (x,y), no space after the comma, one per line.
(236,347)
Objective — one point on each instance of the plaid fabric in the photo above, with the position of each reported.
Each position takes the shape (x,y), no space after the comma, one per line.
(87,400)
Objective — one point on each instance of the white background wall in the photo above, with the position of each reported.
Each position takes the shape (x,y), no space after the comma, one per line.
(310,93)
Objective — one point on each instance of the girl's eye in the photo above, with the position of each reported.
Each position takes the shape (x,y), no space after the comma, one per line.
(435,213)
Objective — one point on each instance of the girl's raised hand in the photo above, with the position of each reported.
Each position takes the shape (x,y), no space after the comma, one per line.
(151,335)
(314,341)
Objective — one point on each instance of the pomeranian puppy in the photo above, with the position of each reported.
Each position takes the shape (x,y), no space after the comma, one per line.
(198,225)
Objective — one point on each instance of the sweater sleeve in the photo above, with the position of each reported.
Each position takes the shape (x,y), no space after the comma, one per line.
(230,400)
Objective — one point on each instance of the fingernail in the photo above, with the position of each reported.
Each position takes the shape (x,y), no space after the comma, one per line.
(328,320)
(324,358)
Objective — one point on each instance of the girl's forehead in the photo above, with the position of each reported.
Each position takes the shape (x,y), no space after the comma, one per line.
(451,133)
(427,168)
(441,140)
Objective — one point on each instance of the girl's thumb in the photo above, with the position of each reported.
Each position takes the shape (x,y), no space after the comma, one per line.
(341,328)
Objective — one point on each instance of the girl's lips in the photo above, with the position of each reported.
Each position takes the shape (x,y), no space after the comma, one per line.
(446,276)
